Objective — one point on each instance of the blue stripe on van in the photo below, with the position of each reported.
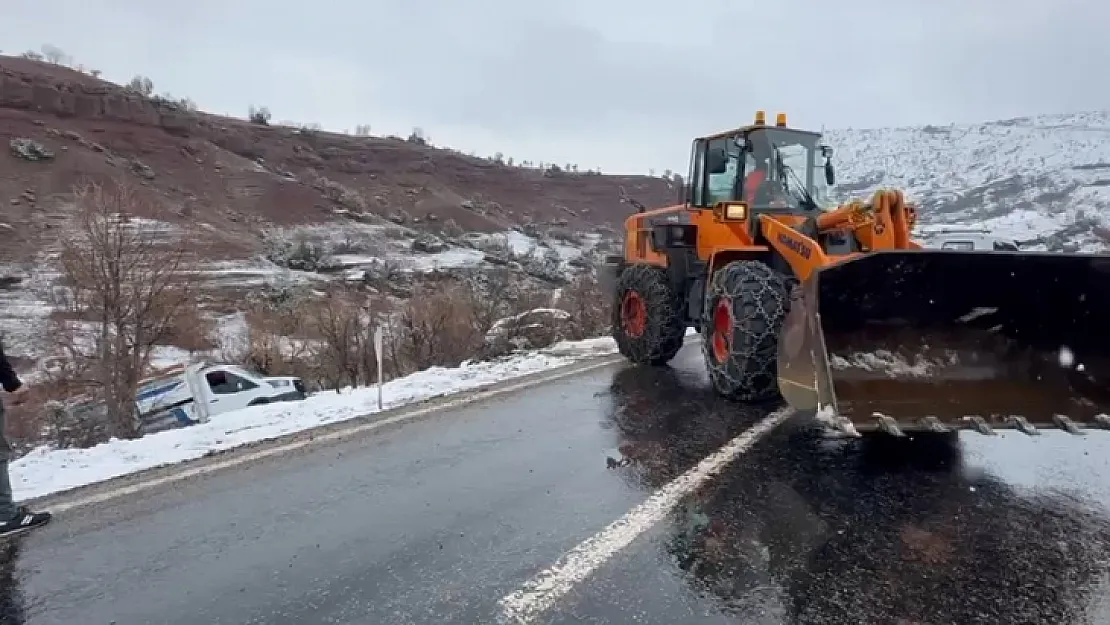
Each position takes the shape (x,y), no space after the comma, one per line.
(158,390)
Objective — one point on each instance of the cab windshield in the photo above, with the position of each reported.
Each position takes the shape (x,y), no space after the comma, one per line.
(785,169)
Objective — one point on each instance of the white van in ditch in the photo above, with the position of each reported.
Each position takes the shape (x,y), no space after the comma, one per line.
(184,395)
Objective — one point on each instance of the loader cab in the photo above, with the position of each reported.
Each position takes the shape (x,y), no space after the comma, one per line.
(770,168)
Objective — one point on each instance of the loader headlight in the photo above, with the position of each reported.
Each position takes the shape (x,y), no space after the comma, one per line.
(732,211)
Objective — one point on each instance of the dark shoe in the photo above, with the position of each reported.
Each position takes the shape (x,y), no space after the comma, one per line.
(23,521)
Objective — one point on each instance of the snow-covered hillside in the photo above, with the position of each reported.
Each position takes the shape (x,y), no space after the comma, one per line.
(1027,178)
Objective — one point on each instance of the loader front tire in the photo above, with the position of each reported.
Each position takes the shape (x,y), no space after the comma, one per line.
(648,325)
(744,314)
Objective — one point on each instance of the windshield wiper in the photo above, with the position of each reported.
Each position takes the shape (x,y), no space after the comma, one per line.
(806,198)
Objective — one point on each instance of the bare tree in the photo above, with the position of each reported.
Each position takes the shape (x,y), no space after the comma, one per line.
(435,329)
(141,85)
(127,283)
(274,343)
(491,299)
(54,54)
(345,352)
(259,115)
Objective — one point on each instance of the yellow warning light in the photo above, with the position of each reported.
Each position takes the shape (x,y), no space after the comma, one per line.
(760,118)
(780,120)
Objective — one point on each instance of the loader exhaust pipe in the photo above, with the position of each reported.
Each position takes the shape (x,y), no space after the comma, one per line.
(936,340)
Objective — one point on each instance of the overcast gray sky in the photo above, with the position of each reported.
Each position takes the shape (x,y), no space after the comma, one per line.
(621,84)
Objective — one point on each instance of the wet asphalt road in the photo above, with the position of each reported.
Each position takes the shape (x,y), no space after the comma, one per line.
(433,522)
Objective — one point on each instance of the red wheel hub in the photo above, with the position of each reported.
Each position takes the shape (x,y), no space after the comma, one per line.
(721,339)
(633,314)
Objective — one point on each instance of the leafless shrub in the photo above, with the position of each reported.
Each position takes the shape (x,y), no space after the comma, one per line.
(54,54)
(277,338)
(259,115)
(395,233)
(497,246)
(339,193)
(546,266)
(451,228)
(75,424)
(358,242)
(190,330)
(588,306)
(128,281)
(499,293)
(565,235)
(387,276)
(435,328)
(299,252)
(141,85)
(489,299)
(345,353)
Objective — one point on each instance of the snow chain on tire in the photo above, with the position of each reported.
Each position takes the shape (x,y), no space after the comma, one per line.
(663,329)
(757,298)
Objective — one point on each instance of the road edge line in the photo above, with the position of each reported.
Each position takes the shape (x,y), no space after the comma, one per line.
(542,592)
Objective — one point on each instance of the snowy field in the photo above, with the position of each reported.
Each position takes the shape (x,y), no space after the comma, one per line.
(44,471)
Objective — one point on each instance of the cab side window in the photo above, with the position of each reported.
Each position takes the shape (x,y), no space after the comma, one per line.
(224,383)
(695,180)
(719,185)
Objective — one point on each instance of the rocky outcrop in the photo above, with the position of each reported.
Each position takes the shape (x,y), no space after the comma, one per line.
(429,244)
(93,100)
(30,150)
(533,329)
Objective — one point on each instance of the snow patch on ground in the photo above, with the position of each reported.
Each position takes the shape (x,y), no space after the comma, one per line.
(45,470)
(253,272)
(519,242)
(455,258)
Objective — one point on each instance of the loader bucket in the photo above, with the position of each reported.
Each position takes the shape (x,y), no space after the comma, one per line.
(938,340)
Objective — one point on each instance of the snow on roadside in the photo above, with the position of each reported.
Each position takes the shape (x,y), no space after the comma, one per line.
(44,471)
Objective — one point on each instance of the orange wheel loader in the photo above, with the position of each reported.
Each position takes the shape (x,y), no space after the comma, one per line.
(836,309)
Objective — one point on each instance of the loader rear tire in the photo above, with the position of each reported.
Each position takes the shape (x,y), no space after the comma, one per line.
(745,311)
(648,325)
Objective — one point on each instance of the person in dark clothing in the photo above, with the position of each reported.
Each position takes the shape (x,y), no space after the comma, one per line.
(13,519)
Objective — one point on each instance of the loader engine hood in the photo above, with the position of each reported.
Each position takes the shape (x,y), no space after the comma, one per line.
(928,337)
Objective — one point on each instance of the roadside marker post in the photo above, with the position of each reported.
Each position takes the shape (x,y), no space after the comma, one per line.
(378,356)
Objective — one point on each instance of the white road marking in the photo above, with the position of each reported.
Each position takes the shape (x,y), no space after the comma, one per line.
(203,469)
(543,591)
